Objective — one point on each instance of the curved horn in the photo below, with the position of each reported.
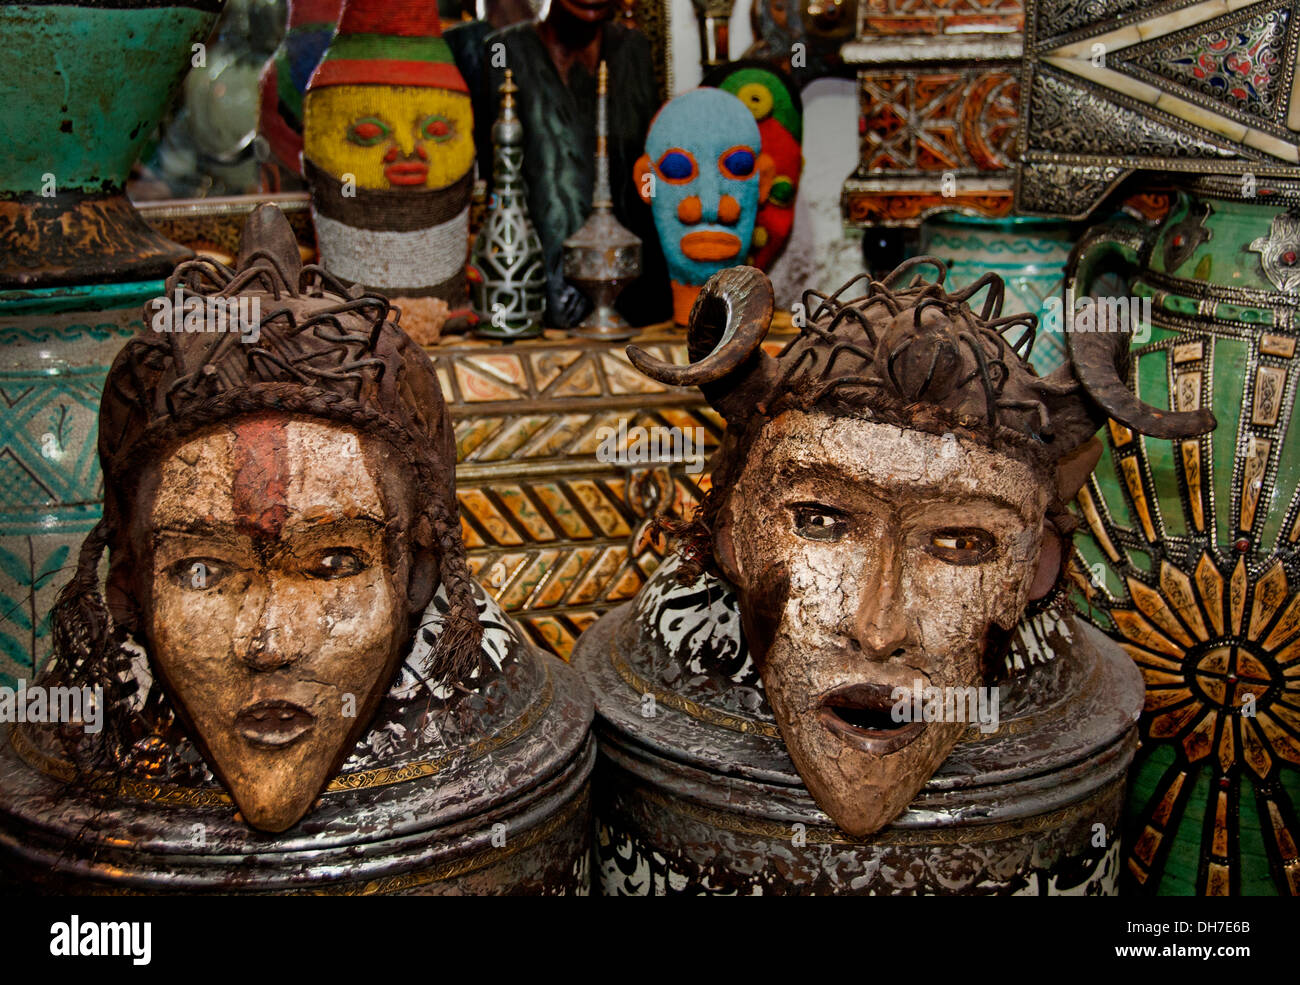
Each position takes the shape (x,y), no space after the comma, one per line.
(729,321)
(1100,361)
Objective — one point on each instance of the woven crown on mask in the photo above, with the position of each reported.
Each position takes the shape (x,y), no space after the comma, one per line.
(917,356)
(908,353)
(320,351)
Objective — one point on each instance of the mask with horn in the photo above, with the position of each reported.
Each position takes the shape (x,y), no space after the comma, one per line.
(889,497)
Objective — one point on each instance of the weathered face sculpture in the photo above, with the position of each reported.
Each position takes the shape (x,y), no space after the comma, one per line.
(869,558)
(276,599)
(703,175)
(279,513)
(888,497)
(392,136)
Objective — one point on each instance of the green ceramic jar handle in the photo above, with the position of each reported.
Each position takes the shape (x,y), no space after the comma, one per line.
(1124,238)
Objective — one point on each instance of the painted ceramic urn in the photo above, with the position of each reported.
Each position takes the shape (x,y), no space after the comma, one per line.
(1029,254)
(84,86)
(1192,542)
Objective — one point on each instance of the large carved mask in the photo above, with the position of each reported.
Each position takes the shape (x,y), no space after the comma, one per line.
(888,498)
(279,510)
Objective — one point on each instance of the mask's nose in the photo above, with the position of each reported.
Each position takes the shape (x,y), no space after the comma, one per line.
(263,638)
(880,624)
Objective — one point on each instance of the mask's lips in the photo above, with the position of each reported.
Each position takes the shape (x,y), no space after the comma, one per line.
(407,173)
(274,723)
(710,246)
(861,715)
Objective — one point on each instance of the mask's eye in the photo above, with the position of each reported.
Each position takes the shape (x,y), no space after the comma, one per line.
(757,97)
(438,129)
(367,132)
(782,192)
(198,574)
(677,166)
(739,162)
(336,562)
(966,545)
(813,521)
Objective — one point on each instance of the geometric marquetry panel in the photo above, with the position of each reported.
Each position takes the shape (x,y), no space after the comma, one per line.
(556,535)
(1114,86)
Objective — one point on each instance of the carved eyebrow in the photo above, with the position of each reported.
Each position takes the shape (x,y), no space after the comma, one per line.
(197,527)
(790,474)
(203,527)
(333,523)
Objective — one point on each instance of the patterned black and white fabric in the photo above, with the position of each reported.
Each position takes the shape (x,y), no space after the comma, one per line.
(696,645)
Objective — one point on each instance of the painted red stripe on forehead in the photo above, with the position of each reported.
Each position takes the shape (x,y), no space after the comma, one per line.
(261,488)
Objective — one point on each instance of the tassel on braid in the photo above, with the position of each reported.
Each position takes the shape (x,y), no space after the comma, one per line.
(87,654)
(458,654)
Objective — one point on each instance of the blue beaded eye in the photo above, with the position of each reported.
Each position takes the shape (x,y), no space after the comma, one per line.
(738,162)
(677,165)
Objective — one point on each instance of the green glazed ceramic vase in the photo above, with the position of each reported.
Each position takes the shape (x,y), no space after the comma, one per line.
(1191,546)
(55,349)
(1029,254)
(83,86)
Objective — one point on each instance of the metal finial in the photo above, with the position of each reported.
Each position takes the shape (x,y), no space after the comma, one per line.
(601,198)
(508,90)
(602,256)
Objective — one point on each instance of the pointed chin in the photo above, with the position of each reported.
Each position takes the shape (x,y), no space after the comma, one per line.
(276,756)
(863,779)
(276,788)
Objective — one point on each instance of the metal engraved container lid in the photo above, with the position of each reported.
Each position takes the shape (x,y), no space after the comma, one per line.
(488,796)
(701,795)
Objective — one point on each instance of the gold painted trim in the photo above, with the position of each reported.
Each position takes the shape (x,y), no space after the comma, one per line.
(890,836)
(174,795)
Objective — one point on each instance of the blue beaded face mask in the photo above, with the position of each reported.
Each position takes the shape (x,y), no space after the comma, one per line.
(703,176)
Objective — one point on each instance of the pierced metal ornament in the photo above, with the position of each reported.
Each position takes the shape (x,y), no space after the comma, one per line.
(508,279)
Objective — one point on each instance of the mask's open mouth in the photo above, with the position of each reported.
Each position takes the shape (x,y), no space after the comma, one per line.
(863,715)
(274,723)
